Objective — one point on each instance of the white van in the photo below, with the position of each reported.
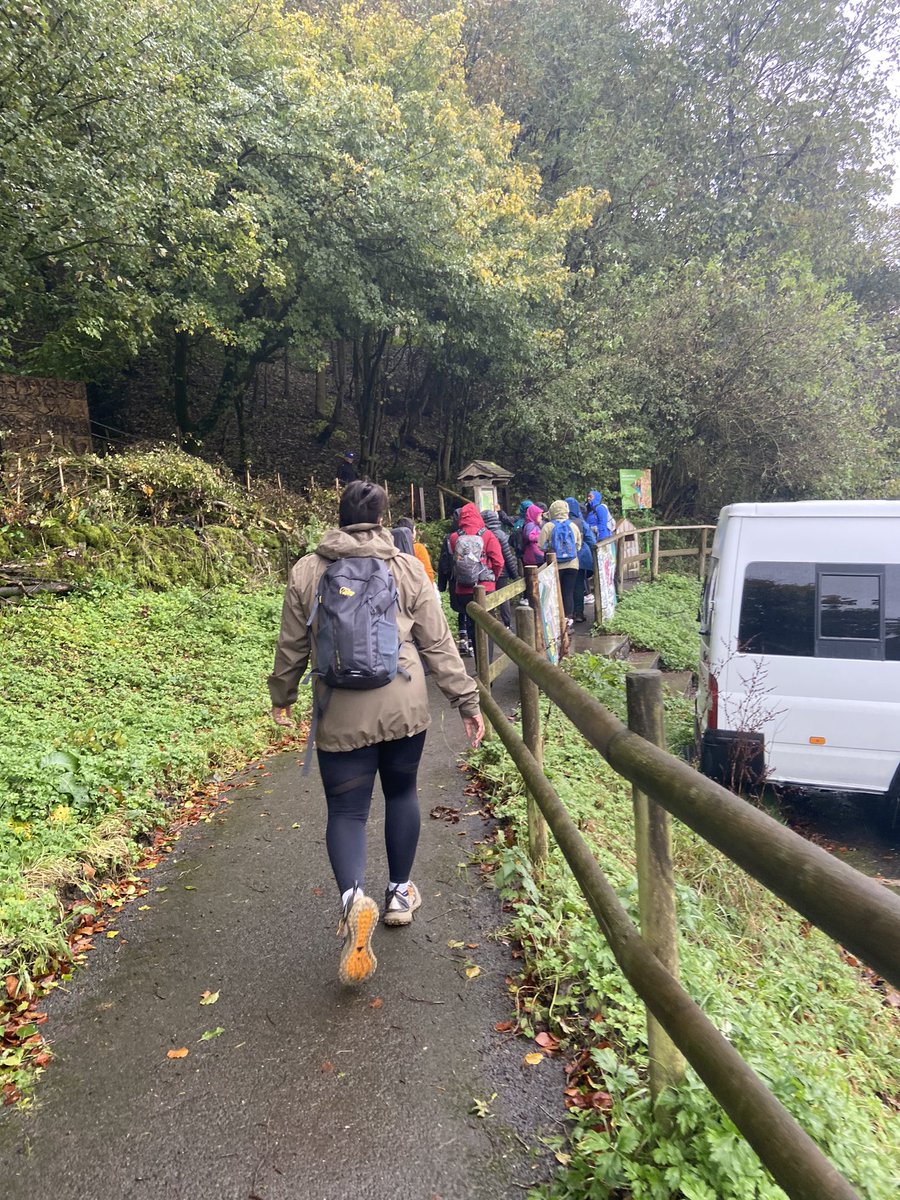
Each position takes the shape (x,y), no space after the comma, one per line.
(800,647)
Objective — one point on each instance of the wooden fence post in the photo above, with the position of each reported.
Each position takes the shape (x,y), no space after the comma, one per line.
(482,653)
(422,503)
(441,506)
(529,694)
(656,881)
(620,566)
(654,556)
(703,551)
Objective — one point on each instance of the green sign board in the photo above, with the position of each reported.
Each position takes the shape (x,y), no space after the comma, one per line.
(636,488)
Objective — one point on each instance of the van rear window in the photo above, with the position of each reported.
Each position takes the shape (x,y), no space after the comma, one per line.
(778,609)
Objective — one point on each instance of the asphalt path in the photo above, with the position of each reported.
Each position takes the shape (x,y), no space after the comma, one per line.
(311,1090)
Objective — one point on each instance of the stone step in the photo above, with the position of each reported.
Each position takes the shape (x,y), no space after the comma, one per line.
(643,660)
(611,645)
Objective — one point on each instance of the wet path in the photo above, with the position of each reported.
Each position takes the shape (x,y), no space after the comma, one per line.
(310,1090)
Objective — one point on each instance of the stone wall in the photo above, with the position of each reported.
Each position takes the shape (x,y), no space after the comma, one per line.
(38,413)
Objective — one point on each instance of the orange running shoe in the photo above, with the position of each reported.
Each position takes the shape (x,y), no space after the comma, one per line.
(357,924)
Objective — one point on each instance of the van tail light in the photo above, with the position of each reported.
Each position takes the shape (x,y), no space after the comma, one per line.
(712,715)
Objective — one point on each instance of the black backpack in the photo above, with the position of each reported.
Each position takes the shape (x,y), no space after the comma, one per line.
(354,624)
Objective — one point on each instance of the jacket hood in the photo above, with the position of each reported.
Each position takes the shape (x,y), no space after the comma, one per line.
(357,541)
(491,520)
(574,506)
(523,509)
(533,513)
(470,519)
(595,497)
(403,539)
(559,511)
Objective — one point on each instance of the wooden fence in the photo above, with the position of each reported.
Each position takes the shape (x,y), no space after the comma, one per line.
(653,555)
(854,910)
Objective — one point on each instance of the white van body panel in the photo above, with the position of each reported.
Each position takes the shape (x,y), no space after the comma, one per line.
(849,705)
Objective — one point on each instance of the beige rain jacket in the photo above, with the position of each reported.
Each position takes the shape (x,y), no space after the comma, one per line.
(559,511)
(360,718)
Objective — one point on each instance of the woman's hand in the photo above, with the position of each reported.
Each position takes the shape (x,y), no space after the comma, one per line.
(474,729)
(282,716)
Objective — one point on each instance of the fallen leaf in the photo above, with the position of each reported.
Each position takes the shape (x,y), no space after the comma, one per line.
(534,1059)
(455,945)
(143,908)
(211,1033)
(504,1026)
(209,997)
(326,1066)
(376,1003)
(112,933)
(472,972)
(472,945)
(189,887)
(296,825)
(563,1158)
(182,1053)
(548,1042)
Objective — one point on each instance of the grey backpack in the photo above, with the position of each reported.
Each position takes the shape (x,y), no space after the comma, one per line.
(469,566)
(354,625)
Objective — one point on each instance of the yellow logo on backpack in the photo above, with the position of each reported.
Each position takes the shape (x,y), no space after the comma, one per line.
(345,591)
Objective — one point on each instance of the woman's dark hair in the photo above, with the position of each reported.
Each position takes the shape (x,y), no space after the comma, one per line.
(406,523)
(362,503)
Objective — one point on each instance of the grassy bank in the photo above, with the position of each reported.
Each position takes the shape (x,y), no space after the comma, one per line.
(662,616)
(816,1031)
(115,701)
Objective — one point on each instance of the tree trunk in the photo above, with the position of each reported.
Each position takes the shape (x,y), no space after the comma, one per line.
(180,360)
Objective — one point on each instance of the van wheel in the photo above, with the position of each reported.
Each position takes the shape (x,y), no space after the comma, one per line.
(890,813)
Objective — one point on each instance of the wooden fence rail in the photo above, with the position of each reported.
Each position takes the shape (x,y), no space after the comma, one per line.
(653,555)
(854,910)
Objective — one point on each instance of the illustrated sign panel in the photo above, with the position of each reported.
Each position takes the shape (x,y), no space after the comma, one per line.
(606,564)
(636,487)
(548,593)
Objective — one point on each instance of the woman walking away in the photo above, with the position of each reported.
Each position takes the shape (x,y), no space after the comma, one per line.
(585,556)
(418,548)
(492,521)
(477,559)
(445,584)
(532,554)
(598,515)
(364,610)
(563,537)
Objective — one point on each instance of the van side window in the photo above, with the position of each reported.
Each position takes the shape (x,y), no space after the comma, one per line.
(892,613)
(778,609)
(850,606)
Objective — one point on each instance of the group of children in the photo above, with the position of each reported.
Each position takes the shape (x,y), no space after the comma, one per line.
(490,548)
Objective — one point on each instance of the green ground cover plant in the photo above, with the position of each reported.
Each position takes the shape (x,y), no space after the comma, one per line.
(115,701)
(817,1033)
(662,616)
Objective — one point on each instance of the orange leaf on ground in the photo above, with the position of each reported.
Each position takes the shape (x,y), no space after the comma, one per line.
(548,1041)
(327,1066)
(534,1059)
(182,1053)
(504,1026)
(376,1003)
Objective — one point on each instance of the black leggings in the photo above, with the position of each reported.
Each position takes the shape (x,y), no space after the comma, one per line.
(568,577)
(348,777)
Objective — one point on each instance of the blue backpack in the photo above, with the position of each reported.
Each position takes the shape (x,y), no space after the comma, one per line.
(562,541)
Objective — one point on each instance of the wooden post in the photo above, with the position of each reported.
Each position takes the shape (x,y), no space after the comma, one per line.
(278,482)
(703,551)
(654,556)
(530,695)
(441,507)
(337,488)
(482,653)
(18,480)
(656,881)
(620,566)
(62,478)
(247,477)
(412,500)
(422,516)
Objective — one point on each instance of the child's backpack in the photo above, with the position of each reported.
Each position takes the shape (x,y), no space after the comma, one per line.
(354,624)
(562,541)
(517,538)
(469,563)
